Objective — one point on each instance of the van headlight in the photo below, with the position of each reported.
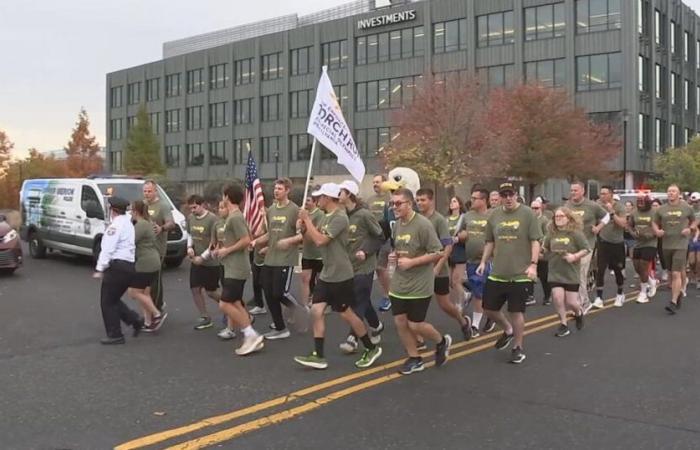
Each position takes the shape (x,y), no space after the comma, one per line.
(183,225)
(9,237)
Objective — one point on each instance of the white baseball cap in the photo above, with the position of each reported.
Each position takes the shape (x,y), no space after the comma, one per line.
(350,186)
(695,196)
(328,189)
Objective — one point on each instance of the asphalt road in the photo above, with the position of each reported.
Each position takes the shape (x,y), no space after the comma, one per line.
(628,380)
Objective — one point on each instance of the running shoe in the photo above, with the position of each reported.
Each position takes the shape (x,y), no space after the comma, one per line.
(562,331)
(504,341)
(489,325)
(226,334)
(350,345)
(412,365)
(579,321)
(475,332)
(375,334)
(258,311)
(158,321)
(385,304)
(203,323)
(671,308)
(368,357)
(277,334)
(442,350)
(313,360)
(642,297)
(517,356)
(530,301)
(619,300)
(467,328)
(598,303)
(250,344)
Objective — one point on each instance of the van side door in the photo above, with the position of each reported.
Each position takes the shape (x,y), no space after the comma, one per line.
(89,218)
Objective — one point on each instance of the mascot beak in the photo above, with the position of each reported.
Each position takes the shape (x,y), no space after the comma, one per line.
(390,186)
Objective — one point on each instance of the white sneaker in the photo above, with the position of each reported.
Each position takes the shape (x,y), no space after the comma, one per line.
(642,297)
(664,276)
(226,334)
(598,303)
(684,291)
(652,287)
(349,346)
(250,344)
(619,300)
(275,334)
(257,311)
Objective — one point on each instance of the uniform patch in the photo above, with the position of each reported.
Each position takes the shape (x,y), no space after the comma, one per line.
(111,231)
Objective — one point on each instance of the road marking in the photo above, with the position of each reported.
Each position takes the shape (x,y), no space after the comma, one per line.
(298,395)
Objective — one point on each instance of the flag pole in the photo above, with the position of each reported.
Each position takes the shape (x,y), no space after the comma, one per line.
(308,173)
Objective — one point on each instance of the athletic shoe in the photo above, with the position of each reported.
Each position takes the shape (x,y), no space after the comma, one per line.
(226,334)
(467,328)
(546,302)
(475,332)
(598,303)
(277,334)
(158,321)
(530,301)
(579,321)
(113,341)
(664,276)
(442,350)
(412,365)
(138,327)
(467,298)
(684,291)
(350,345)
(619,300)
(313,360)
(257,311)
(421,345)
(375,334)
(385,304)
(368,357)
(504,341)
(562,331)
(489,325)
(250,344)
(672,308)
(203,323)
(642,297)
(517,355)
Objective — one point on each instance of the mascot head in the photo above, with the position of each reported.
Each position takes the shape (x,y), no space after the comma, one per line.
(402,177)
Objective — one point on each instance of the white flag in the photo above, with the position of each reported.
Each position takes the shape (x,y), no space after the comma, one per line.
(328,125)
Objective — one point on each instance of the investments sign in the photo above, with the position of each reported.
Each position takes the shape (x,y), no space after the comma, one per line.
(386,19)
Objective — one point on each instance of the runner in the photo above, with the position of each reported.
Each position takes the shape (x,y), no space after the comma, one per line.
(161,216)
(611,247)
(565,245)
(228,332)
(377,204)
(644,252)
(425,199)
(335,286)
(674,223)
(694,247)
(542,264)
(257,261)
(513,238)
(457,261)
(655,204)
(311,262)
(630,208)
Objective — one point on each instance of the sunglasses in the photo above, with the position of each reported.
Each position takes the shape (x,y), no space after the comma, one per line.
(507,194)
(398,203)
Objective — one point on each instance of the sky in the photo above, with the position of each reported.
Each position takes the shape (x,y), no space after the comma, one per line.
(55,54)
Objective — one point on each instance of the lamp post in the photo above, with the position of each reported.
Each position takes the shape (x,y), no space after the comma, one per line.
(277,160)
(627,180)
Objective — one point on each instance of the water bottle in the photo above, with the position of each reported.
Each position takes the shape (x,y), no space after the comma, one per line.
(391,265)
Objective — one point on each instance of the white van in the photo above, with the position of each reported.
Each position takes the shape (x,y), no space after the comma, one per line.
(70,215)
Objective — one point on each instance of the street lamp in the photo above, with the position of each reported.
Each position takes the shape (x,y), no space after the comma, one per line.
(627,182)
(277,160)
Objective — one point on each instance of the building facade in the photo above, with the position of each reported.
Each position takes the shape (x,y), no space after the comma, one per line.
(633,62)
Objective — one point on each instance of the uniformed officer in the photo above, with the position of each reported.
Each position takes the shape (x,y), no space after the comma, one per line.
(115,266)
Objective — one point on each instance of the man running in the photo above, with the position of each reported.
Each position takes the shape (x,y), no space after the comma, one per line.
(513,237)
(377,203)
(311,262)
(611,247)
(542,264)
(644,252)
(160,214)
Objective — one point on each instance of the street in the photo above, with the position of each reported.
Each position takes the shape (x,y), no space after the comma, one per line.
(627,380)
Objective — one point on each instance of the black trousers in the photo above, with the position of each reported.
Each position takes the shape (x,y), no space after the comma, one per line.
(157,288)
(542,273)
(115,282)
(257,282)
(276,283)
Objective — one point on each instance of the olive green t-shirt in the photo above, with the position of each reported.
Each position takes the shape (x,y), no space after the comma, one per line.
(512,233)
(310,250)
(475,224)
(557,244)
(219,229)
(258,258)
(236,264)
(672,219)
(376,204)
(282,223)
(363,226)
(641,223)
(202,230)
(336,261)
(159,213)
(543,222)
(590,214)
(147,256)
(416,237)
(612,232)
(443,232)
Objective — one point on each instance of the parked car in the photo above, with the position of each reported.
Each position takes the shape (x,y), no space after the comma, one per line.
(71,214)
(10,247)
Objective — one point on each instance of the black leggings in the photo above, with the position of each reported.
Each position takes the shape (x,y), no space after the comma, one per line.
(542,274)
(610,256)
(257,282)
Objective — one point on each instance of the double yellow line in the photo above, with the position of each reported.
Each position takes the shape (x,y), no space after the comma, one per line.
(484,342)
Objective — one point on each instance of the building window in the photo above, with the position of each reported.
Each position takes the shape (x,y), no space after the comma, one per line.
(447,36)
(130,122)
(334,54)
(544,22)
(152,89)
(687,94)
(270,107)
(300,147)
(116,161)
(496,76)
(598,72)
(371,141)
(172,121)
(269,149)
(115,96)
(688,135)
(384,94)
(271,67)
(659,82)
(674,136)
(672,30)
(154,121)
(218,76)
(643,74)
(115,129)
(242,111)
(658,28)
(495,29)
(244,71)
(697,100)
(217,153)
(133,93)
(195,155)
(376,47)
(172,155)
(598,15)
(240,150)
(194,118)
(300,103)
(172,85)
(341,93)
(697,55)
(660,135)
(550,72)
(643,17)
(643,132)
(195,81)
(686,46)
(300,61)
(675,89)
(218,115)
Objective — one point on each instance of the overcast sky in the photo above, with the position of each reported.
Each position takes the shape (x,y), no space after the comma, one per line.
(56,53)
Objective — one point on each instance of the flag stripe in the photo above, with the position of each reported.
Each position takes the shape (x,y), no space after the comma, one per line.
(254,199)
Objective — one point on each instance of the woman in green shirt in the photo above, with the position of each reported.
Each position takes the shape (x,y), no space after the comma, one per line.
(565,245)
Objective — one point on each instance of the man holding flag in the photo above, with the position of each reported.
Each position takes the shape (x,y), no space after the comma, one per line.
(254,212)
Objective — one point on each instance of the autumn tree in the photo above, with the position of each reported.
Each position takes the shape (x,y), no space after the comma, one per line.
(35,165)
(142,152)
(83,150)
(679,166)
(6,147)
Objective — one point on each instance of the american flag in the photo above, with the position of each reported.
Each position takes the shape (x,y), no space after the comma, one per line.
(254,200)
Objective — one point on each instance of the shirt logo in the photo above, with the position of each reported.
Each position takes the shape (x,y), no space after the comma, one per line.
(644,219)
(198,228)
(353,228)
(405,238)
(580,212)
(674,213)
(478,223)
(562,240)
(513,225)
(280,219)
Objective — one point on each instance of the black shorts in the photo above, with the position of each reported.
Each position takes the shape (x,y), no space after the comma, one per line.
(315,265)
(566,286)
(339,296)
(611,255)
(644,253)
(206,277)
(142,280)
(232,290)
(497,293)
(416,309)
(442,286)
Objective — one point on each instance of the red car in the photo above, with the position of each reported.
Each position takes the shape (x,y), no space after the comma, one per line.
(10,247)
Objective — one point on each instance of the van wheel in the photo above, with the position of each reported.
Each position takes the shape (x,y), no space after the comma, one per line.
(36,247)
(96,249)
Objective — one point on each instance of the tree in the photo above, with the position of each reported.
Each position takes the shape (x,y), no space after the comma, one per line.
(679,166)
(6,147)
(550,137)
(142,155)
(83,151)
(36,165)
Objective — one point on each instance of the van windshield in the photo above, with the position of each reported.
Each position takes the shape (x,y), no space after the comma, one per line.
(128,191)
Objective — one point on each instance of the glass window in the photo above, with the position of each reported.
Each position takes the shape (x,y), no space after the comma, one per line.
(452,36)
(172,155)
(598,15)
(361,49)
(602,71)
(383,98)
(218,115)
(463,33)
(271,66)
(495,29)
(395,95)
(116,97)
(218,76)
(133,93)
(395,45)
(194,118)
(372,49)
(242,111)
(418,46)
(152,89)
(115,129)
(217,153)
(384,47)
(244,71)
(172,85)
(299,147)
(195,155)
(361,96)
(439,37)
(269,110)
(195,82)
(406,43)
(559,20)
(240,150)
(172,121)
(372,95)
